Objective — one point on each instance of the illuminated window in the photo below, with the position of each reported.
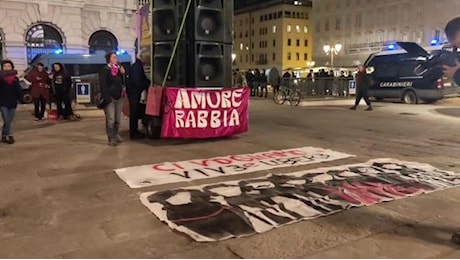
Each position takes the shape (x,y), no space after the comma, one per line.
(289,28)
(274,28)
(297,28)
(305,29)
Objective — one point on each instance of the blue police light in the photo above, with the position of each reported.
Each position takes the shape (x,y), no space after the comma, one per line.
(121,52)
(434,42)
(58,51)
(391,47)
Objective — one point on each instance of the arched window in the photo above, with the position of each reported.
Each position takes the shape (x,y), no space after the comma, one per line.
(102,41)
(43,39)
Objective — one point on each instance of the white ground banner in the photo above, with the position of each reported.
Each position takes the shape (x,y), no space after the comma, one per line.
(172,172)
(220,211)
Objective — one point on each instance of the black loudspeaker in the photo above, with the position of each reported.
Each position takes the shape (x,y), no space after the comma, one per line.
(167,15)
(210,20)
(162,52)
(212,64)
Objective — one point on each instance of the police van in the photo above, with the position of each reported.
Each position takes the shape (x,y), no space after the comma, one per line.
(394,76)
(78,66)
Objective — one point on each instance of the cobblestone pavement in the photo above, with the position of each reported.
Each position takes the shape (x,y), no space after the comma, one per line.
(60,198)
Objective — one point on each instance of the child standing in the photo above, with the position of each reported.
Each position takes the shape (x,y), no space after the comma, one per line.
(10,94)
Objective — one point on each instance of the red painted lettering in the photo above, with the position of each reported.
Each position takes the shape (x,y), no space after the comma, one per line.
(160,167)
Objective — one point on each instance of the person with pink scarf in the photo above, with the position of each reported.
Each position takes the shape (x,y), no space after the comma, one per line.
(111,81)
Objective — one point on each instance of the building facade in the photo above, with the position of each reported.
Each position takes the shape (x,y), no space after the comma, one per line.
(274,34)
(367,26)
(31,27)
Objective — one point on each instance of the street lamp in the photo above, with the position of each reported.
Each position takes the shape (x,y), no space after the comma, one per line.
(332,50)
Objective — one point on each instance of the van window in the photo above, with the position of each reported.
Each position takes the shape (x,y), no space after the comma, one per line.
(86,69)
(407,69)
(386,71)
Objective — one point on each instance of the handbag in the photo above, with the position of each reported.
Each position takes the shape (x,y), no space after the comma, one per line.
(154,98)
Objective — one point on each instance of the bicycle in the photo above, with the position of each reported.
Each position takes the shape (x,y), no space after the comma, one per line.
(285,93)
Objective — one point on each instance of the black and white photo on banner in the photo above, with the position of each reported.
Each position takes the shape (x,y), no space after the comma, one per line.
(233,209)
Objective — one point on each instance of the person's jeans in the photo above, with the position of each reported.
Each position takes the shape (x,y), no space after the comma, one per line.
(113,118)
(7,117)
(40,107)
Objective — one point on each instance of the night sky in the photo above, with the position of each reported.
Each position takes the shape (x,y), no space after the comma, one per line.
(244,3)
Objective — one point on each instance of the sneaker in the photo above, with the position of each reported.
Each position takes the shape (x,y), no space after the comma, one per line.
(113,143)
(37,119)
(10,140)
(353,108)
(369,109)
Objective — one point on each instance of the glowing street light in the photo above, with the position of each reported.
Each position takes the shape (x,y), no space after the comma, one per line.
(332,50)
(233,57)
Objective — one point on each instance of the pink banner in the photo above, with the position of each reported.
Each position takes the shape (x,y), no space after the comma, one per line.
(200,113)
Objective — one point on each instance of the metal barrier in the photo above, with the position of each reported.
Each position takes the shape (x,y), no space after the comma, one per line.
(320,87)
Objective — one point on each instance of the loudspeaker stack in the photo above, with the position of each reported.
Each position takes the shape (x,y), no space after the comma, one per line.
(204,53)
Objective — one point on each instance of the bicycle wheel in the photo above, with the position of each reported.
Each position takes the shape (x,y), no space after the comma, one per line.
(295,98)
(280,97)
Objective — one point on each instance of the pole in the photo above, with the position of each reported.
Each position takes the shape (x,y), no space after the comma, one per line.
(332,59)
(151,39)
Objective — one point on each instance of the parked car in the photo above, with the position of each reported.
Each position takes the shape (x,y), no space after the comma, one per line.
(394,75)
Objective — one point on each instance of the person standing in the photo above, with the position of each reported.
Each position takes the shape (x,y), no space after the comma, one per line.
(263,84)
(111,79)
(238,78)
(453,35)
(363,82)
(251,82)
(10,94)
(61,85)
(38,77)
(137,83)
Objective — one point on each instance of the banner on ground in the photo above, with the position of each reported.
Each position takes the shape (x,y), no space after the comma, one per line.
(232,209)
(202,113)
(172,172)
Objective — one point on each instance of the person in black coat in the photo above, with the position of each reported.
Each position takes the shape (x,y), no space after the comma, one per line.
(10,94)
(137,82)
(363,83)
(111,81)
(61,85)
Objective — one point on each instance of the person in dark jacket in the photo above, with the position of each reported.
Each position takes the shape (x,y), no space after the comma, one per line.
(251,82)
(40,92)
(137,83)
(363,82)
(453,35)
(10,94)
(61,85)
(274,79)
(263,84)
(111,81)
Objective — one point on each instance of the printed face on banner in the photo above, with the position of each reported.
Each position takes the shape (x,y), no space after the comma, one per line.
(226,210)
(214,109)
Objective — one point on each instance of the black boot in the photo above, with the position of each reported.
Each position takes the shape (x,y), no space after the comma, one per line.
(10,140)
(4,139)
(456,238)
(353,108)
(369,108)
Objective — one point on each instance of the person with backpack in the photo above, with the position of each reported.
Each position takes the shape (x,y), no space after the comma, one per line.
(10,94)
(363,83)
(137,82)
